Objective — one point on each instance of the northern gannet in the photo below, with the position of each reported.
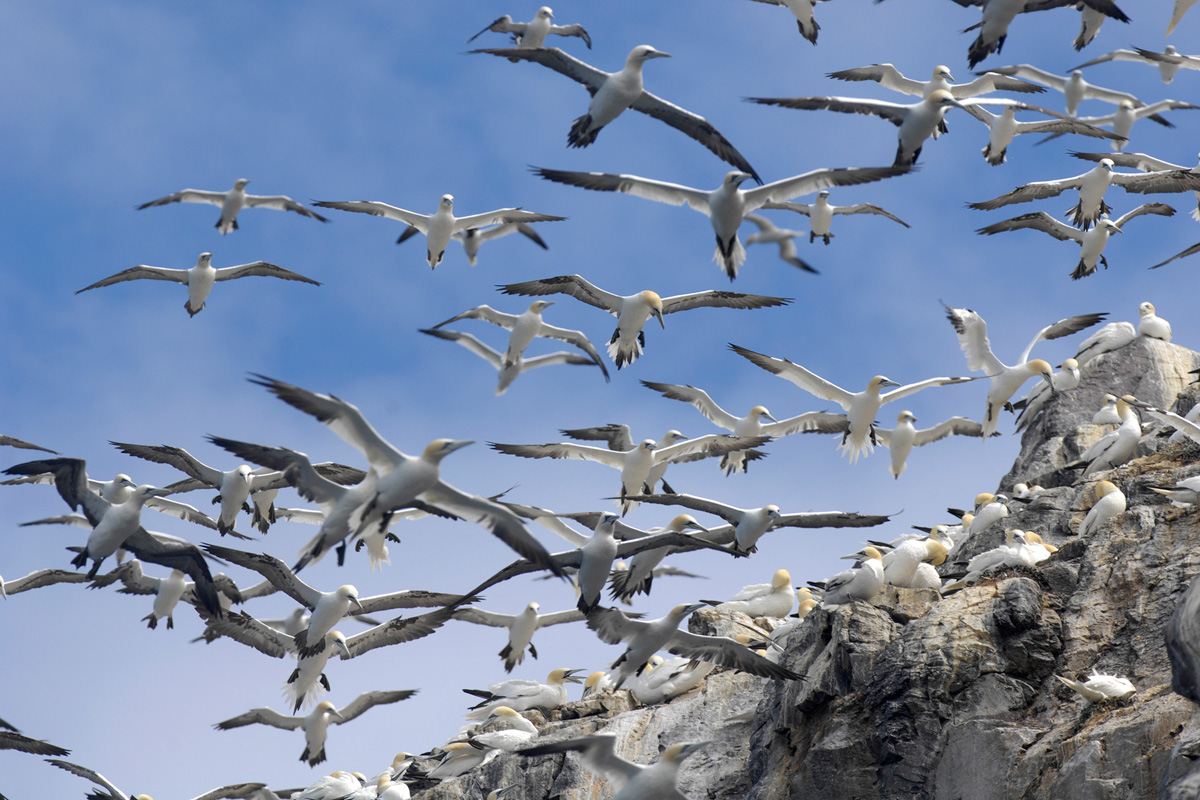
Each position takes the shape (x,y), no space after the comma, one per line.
(232,202)
(522,695)
(510,370)
(629,781)
(637,576)
(1146,164)
(1005,126)
(889,77)
(317,722)
(989,509)
(331,787)
(669,680)
(39,578)
(1115,447)
(821,213)
(999,14)
(758,422)
(503,730)
(1074,88)
(1107,415)
(405,481)
(802,10)
(1092,186)
(521,628)
(473,238)
(1150,325)
(618,438)
(904,437)
(12,441)
(1090,21)
(1169,61)
(199,279)
(1109,504)
(911,563)
(1066,379)
(1014,552)
(747,525)
(613,92)
(111,792)
(858,583)
(1188,427)
(644,639)
(728,204)
(534,33)
(1128,113)
(1184,493)
(15,740)
(770,233)
(633,311)
(596,557)
(774,599)
(442,224)
(861,407)
(1099,686)
(1091,242)
(167,591)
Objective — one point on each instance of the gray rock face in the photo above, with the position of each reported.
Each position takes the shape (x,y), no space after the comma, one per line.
(912,696)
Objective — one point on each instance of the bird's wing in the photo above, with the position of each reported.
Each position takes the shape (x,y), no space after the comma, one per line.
(481,617)
(867,208)
(378,209)
(397,631)
(913,388)
(70,479)
(42,577)
(78,520)
(261,716)
(1031,73)
(1189,251)
(188,196)
(485,313)
(1171,180)
(894,113)
(1038,190)
(470,342)
(175,553)
(830,519)
(613,626)
(989,82)
(695,126)
(141,272)
(816,180)
(409,598)
(366,700)
(295,467)
(1115,55)
(11,740)
(809,422)
(1064,327)
(577,338)
(717,298)
(573,285)
(551,521)
(563,450)
(1161,209)
(572,30)
(282,203)
(182,511)
(698,398)
(1038,220)
(1161,105)
(131,576)
(273,570)
(1131,161)
(597,753)
(241,627)
(559,617)
(91,775)
(960,426)
(725,652)
(234,790)
(973,340)
(557,60)
(710,445)
(617,435)
(799,208)
(12,441)
(261,269)
(502,215)
(670,193)
(176,457)
(798,375)
(884,74)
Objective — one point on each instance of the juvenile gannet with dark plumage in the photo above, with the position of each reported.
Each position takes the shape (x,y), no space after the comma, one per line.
(861,407)
(534,33)
(821,213)
(521,628)
(858,583)
(317,722)
(630,781)
(442,224)
(770,233)
(1169,61)
(522,695)
(633,311)
(199,279)
(510,370)
(728,204)
(232,202)
(1091,242)
(613,92)
(473,238)
(904,437)
(1109,504)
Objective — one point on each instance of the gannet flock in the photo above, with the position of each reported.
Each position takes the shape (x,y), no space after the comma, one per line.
(317,107)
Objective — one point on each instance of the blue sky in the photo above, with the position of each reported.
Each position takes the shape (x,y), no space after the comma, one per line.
(109,105)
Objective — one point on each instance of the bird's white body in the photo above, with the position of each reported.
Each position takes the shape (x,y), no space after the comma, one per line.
(304,686)
(1110,505)
(668,680)
(119,522)
(1100,687)
(596,559)
(859,583)
(902,565)
(1152,326)
(989,510)
(1116,447)
(170,591)
(774,599)
(522,695)
(617,93)
(329,609)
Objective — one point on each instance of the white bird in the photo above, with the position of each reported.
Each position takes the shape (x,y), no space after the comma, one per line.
(859,583)
(440,226)
(911,563)
(1107,415)
(510,370)
(1074,87)
(618,438)
(728,204)
(232,202)
(770,233)
(405,481)
(167,591)
(613,92)
(200,278)
(1014,552)
(1092,186)
(1005,126)
(1128,113)
(750,425)
(504,730)
(1182,425)
(1168,62)
(821,214)
(637,576)
(1177,11)
(1150,325)
(1109,504)
(307,680)
(521,628)
(999,14)
(111,792)
(1099,686)
(802,10)
(861,407)
(644,639)
(1066,379)
(904,437)
(317,722)
(1184,493)
(989,510)
(889,77)
(1146,164)
(633,311)
(473,238)
(669,680)
(1115,447)
(522,695)
(629,781)
(774,599)
(1091,242)
(534,33)
(1090,22)
(332,787)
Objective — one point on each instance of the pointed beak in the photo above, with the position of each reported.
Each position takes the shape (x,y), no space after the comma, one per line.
(458,444)
(341,645)
(570,677)
(690,607)
(659,315)
(696,526)
(358,605)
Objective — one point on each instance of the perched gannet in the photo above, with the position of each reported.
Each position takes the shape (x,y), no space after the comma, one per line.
(1006,380)
(802,10)
(989,509)
(405,481)
(747,525)
(861,407)
(473,238)
(613,92)
(1128,113)
(1150,325)
(503,730)
(1014,552)
(821,213)
(111,792)
(1189,428)
(1092,185)
(998,14)
(618,438)
(12,441)
(635,464)
(728,204)
(669,680)
(1109,504)
(1107,415)
(770,233)
(904,437)
(644,639)
(1099,686)
(774,599)
(520,627)
(638,575)
(1114,448)
(508,370)
(1169,61)
(1091,242)
(522,695)
(633,311)
(13,739)
(200,278)
(533,34)
(317,722)
(750,425)
(1146,164)
(1184,493)
(1066,379)
(859,583)
(459,758)
(596,684)
(442,224)
(1074,88)
(331,787)
(232,202)
(911,563)
(629,781)
(1004,127)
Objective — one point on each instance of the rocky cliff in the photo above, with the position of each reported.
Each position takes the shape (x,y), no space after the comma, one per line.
(916,696)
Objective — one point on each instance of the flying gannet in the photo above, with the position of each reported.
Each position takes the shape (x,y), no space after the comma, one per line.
(770,233)
(1074,88)
(802,10)
(630,781)
(200,278)
(1169,61)
(533,34)
(999,14)
(521,628)
(633,311)
(888,76)
(232,202)
(442,224)
(861,407)
(637,576)
(1091,242)
(821,213)
(613,92)
(728,204)
(1128,113)
(1099,686)
(473,238)
(508,370)
(522,695)
(1004,127)
(316,723)
(167,591)
(904,437)
(111,792)
(619,439)
(12,441)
